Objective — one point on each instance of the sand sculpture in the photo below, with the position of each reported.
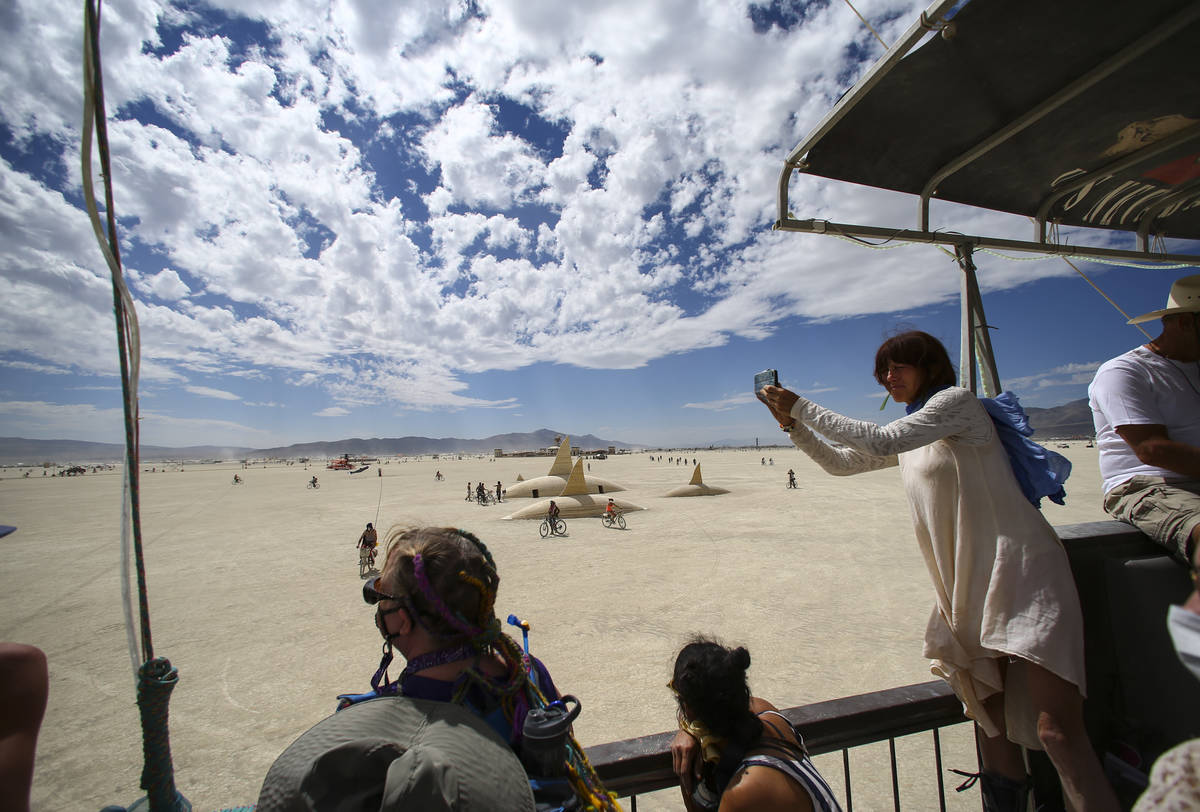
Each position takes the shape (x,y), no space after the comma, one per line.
(553,483)
(574,501)
(697,487)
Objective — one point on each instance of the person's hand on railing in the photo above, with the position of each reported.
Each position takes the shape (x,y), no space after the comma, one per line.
(685,760)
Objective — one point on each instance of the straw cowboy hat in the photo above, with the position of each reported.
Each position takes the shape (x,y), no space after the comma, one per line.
(1184,298)
(393,754)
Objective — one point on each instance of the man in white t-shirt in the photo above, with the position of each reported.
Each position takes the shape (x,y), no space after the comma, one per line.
(1146,408)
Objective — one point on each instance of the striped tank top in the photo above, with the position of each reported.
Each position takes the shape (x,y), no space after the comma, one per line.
(799,769)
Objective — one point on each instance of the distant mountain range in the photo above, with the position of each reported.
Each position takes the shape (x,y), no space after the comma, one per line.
(16,449)
(1072,419)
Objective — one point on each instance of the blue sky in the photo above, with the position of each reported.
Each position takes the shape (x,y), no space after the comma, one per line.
(369,219)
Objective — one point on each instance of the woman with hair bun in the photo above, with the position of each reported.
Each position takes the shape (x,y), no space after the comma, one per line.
(735,751)
(1006,630)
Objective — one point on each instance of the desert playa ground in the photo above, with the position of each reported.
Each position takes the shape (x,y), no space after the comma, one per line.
(255,597)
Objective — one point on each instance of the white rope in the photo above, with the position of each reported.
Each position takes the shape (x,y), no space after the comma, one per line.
(867,24)
(1137,265)
(1106,296)
(131,328)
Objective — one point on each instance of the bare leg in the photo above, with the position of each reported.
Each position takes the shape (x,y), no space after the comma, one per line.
(1061,731)
(24,686)
(998,754)
(1192,604)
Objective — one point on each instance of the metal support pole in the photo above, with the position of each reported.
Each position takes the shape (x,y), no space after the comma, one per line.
(966,330)
(975,341)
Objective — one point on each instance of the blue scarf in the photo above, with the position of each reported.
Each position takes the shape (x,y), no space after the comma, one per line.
(1039,471)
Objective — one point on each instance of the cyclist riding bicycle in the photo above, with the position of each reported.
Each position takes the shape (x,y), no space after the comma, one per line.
(791,478)
(369,538)
(611,509)
(313,482)
(366,549)
(552,513)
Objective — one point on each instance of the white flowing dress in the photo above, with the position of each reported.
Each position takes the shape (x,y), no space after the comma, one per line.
(1001,578)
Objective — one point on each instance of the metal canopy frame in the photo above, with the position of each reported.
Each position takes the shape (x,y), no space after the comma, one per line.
(976,349)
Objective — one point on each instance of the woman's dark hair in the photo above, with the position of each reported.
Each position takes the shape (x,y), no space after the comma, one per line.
(710,680)
(918,349)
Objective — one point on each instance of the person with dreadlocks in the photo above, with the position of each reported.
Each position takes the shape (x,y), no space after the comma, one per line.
(435,604)
(735,751)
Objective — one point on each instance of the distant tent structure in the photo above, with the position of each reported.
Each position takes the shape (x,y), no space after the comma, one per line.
(696,487)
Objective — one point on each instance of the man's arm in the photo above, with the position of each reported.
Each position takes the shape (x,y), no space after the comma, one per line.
(1154,447)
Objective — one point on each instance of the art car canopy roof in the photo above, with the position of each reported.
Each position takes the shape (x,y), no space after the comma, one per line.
(1073,112)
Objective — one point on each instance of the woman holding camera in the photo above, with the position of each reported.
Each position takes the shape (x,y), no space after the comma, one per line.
(1006,631)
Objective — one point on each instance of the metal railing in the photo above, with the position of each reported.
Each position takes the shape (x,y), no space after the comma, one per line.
(642,765)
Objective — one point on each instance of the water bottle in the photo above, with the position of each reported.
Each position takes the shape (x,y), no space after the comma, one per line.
(544,738)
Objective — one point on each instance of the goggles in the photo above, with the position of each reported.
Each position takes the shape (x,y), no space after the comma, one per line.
(372,596)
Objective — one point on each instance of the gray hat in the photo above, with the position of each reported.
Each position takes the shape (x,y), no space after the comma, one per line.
(396,753)
(1183,298)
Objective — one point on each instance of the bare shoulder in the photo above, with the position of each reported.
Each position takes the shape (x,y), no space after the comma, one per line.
(758,705)
(762,789)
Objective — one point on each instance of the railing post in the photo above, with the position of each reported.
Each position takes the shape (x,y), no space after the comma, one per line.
(895,778)
(937,765)
(846,777)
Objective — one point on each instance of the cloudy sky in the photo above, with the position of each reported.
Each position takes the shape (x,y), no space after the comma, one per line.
(371,218)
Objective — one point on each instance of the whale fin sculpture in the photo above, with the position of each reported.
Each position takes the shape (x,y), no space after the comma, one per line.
(576,483)
(696,487)
(562,460)
(520,478)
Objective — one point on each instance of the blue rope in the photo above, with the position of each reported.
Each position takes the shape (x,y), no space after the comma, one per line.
(156,680)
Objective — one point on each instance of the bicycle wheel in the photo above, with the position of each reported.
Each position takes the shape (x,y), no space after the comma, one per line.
(545,528)
(560,527)
(606,520)
(621,522)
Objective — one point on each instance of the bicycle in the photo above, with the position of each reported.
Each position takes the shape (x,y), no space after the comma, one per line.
(366,561)
(611,519)
(314,485)
(559,528)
